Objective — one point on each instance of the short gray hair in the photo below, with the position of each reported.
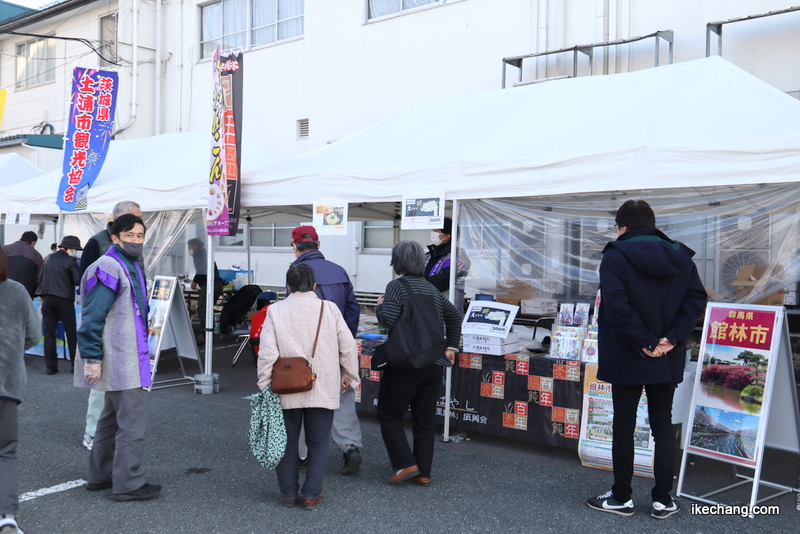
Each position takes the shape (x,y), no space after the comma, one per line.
(126,206)
(408,257)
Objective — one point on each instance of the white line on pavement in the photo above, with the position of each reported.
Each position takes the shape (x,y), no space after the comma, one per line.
(52,489)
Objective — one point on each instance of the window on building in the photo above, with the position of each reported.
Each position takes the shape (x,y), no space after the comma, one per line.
(271,235)
(36,62)
(236,24)
(108,38)
(380,235)
(381,8)
(233,240)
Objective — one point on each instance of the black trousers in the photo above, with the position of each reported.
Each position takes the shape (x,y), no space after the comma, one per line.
(659,406)
(419,390)
(55,309)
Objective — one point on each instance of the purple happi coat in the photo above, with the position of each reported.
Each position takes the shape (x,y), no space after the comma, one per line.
(126,357)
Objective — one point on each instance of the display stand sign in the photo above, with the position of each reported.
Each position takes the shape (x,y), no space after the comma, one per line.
(597,435)
(489,318)
(744,396)
(169,326)
(421,212)
(330,217)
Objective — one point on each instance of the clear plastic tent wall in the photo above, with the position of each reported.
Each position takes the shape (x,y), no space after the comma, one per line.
(164,245)
(555,243)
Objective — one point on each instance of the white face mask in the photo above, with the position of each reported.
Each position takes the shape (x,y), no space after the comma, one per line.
(436,238)
(71,251)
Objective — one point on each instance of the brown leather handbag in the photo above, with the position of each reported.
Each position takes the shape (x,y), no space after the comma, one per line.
(294,375)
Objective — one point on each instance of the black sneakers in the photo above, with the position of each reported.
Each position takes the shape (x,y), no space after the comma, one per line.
(607,503)
(661,512)
(352,461)
(148,491)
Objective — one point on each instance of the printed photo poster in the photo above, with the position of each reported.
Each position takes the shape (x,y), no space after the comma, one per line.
(160,300)
(489,318)
(330,217)
(89,131)
(423,212)
(738,345)
(597,420)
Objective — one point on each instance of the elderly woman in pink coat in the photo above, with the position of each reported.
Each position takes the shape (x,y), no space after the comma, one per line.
(288,331)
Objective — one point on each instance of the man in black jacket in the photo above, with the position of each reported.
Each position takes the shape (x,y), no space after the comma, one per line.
(25,262)
(651,299)
(60,276)
(438,262)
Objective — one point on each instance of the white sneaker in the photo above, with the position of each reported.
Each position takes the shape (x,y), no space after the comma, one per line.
(88,441)
(9,526)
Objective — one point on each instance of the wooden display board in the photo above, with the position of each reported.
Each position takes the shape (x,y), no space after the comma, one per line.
(169,326)
(744,396)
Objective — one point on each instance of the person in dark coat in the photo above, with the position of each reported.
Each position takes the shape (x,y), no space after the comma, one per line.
(25,262)
(438,261)
(651,299)
(334,284)
(60,276)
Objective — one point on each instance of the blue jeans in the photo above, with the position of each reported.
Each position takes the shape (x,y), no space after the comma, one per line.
(659,405)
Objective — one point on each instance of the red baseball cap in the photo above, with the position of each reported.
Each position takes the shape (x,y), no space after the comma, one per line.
(300,231)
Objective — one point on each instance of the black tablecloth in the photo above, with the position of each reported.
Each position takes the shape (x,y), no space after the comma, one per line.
(533,399)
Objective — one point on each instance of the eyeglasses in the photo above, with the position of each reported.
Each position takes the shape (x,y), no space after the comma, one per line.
(616,227)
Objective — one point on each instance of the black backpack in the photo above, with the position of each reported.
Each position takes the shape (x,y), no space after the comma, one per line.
(416,341)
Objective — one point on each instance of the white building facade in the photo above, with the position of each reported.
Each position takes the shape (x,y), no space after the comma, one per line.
(316,71)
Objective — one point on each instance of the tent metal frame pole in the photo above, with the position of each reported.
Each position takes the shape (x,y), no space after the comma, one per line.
(448,383)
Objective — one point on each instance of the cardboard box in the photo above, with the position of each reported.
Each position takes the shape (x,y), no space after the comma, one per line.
(513,289)
(506,300)
(494,350)
(749,275)
(474,339)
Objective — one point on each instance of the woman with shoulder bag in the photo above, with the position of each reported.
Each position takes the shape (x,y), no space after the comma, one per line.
(303,326)
(415,388)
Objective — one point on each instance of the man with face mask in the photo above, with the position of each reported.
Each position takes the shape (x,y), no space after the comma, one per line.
(98,245)
(115,358)
(437,265)
(60,276)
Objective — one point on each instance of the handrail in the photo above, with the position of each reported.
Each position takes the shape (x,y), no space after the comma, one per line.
(716,27)
(588,50)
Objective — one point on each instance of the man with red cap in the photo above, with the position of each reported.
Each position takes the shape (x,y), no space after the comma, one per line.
(334,284)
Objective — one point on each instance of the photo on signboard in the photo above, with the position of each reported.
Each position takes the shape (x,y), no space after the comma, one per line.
(424,211)
(422,207)
(330,217)
(732,378)
(730,433)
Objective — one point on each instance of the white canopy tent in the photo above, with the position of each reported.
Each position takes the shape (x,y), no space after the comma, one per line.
(15,168)
(163,172)
(699,123)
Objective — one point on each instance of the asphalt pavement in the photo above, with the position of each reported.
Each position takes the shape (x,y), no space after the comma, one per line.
(196,447)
